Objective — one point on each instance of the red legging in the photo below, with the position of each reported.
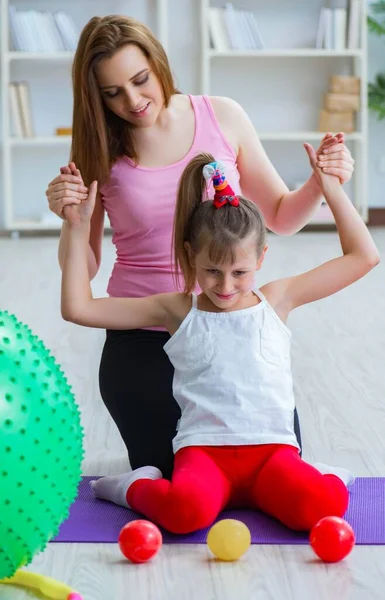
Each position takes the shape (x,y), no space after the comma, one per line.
(206,479)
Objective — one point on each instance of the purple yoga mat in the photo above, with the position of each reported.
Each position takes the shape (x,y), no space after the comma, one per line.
(98,521)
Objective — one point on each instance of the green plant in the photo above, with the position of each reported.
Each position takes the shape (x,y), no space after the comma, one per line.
(375,26)
(376,90)
(377,96)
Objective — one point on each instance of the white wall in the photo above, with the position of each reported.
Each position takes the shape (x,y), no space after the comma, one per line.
(271,92)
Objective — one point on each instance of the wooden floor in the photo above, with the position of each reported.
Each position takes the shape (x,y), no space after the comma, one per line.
(339,367)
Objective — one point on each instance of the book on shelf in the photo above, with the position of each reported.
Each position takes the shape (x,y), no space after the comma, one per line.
(233,29)
(42,31)
(354,24)
(20,109)
(219,37)
(320,37)
(331,31)
(16,122)
(339,28)
(63,131)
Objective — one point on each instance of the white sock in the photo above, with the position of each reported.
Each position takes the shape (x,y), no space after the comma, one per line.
(114,487)
(347,477)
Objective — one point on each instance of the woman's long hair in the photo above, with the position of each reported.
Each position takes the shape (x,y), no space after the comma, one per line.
(99,136)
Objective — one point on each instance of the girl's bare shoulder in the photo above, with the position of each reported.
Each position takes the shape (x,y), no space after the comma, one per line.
(177,304)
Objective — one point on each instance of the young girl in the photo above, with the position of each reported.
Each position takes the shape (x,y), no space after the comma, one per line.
(134,132)
(230,348)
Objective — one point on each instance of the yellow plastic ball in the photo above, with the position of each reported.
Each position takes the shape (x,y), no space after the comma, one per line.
(229,539)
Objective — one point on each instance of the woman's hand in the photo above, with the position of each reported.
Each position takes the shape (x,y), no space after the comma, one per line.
(334,158)
(66,191)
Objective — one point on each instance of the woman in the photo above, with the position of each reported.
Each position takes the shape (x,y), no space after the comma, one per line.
(135,133)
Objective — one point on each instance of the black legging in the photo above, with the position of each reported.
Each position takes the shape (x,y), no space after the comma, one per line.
(135,379)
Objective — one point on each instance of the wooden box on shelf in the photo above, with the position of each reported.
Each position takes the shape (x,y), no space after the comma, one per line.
(343,84)
(341,102)
(336,121)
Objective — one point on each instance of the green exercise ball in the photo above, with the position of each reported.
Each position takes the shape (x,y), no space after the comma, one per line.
(41,445)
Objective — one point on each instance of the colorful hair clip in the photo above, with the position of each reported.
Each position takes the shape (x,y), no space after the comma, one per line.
(224,193)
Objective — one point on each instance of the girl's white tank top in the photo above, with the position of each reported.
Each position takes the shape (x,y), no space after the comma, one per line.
(233,379)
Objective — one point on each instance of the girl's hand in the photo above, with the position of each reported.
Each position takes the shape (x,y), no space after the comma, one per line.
(322,177)
(65,190)
(78,214)
(334,157)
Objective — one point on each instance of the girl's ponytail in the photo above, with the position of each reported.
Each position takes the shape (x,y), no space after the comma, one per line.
(190,195)
(219,224)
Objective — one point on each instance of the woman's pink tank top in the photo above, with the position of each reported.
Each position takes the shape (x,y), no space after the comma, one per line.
(140,203)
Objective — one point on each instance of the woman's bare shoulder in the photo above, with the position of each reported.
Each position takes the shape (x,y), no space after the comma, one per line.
(232,119)
(180,101)
(226,106)
(223,107)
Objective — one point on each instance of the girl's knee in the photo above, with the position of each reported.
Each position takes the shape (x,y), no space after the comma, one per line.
(328,499)
(191,513)
(337,495)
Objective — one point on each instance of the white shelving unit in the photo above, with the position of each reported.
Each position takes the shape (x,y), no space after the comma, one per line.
(40,56)
(58,140)
(355,61)
(299,52)
(11,60)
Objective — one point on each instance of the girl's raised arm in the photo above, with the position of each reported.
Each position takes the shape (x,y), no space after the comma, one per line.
(77,302)
(360,254)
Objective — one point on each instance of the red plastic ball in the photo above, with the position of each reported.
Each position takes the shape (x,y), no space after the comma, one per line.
(140,541)
(332,539)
